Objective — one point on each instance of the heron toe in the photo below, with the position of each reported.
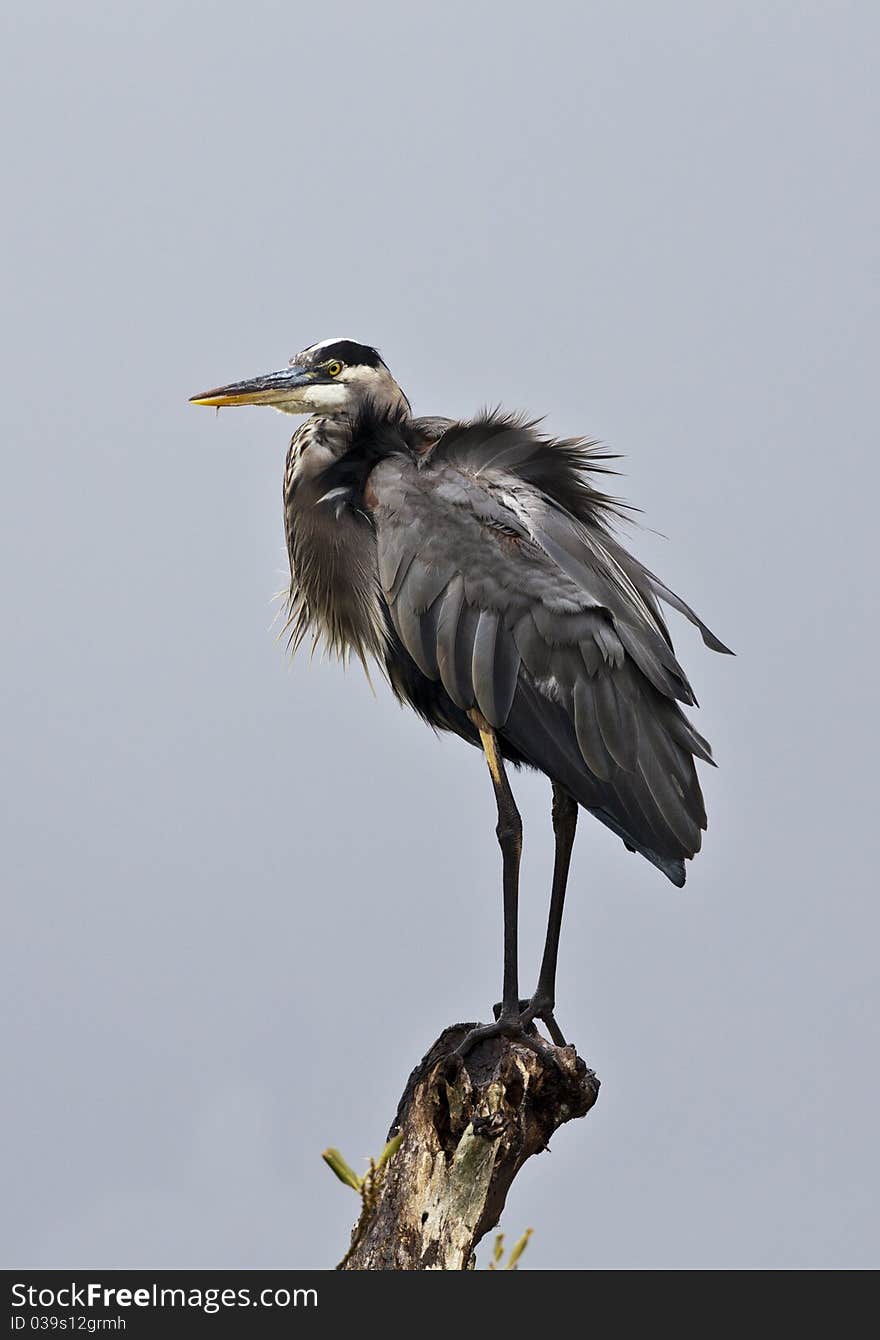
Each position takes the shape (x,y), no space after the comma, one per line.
(539,1007)
(520,1026)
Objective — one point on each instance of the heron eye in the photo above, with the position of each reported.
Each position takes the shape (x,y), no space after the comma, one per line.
(334,369)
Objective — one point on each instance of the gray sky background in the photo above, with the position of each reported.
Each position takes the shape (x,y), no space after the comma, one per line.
(654,223)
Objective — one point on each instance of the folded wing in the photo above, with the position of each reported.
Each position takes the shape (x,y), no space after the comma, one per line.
(536,616)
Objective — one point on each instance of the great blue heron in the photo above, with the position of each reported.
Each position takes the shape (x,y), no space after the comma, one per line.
(475,562)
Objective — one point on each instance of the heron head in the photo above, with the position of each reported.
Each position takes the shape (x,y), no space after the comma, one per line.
(332,377)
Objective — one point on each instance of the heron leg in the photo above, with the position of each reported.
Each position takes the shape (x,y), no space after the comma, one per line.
(514,1017)
(509,833)
(565,813)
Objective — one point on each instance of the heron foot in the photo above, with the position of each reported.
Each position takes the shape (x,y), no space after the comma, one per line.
(541,1007)
(519,1025)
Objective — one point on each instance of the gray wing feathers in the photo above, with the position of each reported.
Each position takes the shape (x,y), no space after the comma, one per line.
(534,649)
(395,556)
(589,737)
(495,669)
(553,632)
(419,635)
(650,588)
(670,598)
(618,724)
(455,622)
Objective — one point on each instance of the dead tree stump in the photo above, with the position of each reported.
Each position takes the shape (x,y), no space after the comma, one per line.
(468,1127)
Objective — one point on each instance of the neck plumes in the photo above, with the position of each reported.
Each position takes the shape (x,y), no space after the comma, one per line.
(334,587)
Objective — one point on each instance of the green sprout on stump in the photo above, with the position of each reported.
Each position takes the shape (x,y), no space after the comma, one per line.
(368,1185)
(367,1188)
(515,1253)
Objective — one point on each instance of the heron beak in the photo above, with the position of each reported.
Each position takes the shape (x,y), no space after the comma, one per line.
(283,390)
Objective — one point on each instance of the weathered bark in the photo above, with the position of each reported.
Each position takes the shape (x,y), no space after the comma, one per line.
(468,1127)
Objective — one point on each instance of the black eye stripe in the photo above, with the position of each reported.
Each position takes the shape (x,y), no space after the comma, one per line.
(347,352)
